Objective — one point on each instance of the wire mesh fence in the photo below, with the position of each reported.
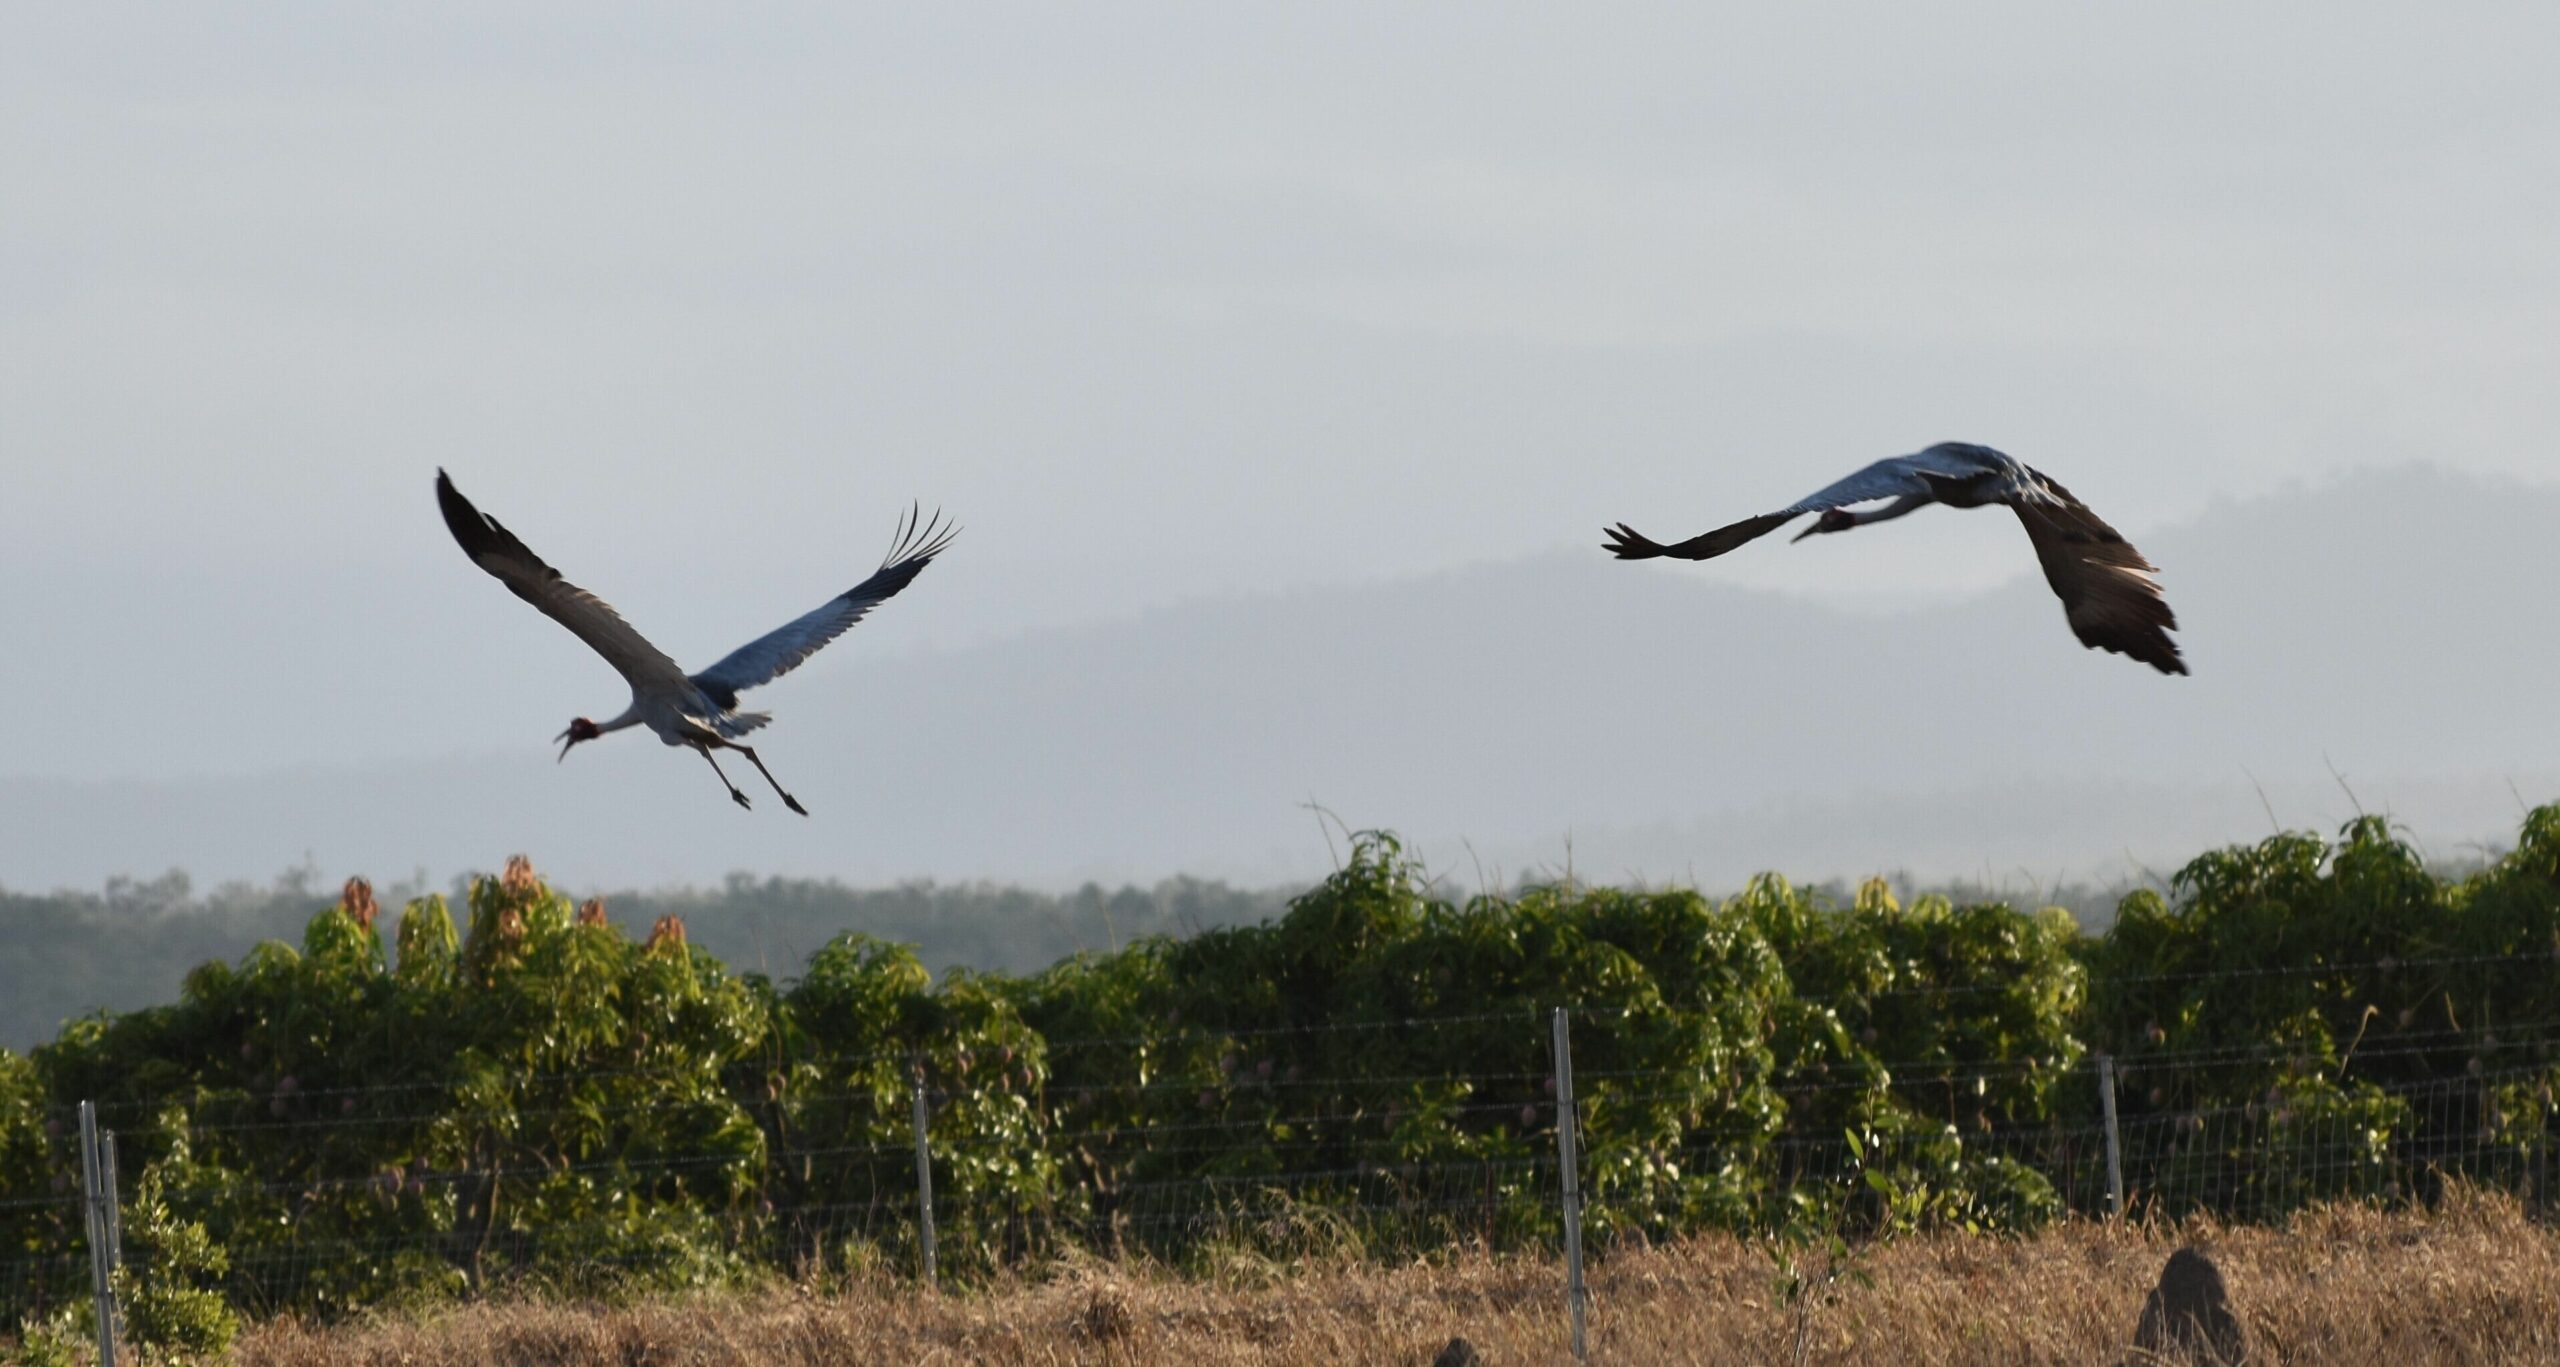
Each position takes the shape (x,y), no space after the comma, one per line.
(540,1101)
(1425,1135)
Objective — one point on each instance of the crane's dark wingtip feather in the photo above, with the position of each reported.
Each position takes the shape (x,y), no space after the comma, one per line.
(919,545)
(469,526)
(2152,648)
(483,538)
(1627,543)
(913,548)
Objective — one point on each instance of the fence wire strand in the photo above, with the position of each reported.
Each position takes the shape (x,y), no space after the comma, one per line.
(1280,1161)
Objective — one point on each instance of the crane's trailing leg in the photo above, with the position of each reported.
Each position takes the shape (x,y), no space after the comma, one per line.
(739,797)
(787,799)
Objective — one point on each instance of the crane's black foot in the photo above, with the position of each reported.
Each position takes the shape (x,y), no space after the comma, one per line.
(794,804)
(741,799)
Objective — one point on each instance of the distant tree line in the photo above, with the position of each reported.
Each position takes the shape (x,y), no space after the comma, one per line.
(69,953)
(66,954)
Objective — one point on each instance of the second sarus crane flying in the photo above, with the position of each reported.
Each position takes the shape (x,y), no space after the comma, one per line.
(2107,590)
(699,711)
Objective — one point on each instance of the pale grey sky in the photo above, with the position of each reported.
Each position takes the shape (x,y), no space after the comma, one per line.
(1164,302)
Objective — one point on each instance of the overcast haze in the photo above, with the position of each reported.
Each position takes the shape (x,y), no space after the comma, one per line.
(1185,311)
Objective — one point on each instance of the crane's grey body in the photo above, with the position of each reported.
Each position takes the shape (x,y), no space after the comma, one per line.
(697,711)
(2108,592)
(678,720)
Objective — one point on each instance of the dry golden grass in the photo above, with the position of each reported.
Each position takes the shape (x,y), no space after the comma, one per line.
(2474,1282)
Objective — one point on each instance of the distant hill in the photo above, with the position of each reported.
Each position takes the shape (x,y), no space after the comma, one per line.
(2397,625)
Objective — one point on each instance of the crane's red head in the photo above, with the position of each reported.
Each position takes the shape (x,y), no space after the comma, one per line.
(1832,520)
(579,729)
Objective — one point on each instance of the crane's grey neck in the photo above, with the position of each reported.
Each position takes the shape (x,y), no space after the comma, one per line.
(630,717)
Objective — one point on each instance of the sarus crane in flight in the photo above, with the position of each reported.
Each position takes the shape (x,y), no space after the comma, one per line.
(695,710)
(2107,590)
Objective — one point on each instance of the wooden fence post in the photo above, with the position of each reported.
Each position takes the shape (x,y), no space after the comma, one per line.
(924,1176)
(1569,1162)
(2115,1153)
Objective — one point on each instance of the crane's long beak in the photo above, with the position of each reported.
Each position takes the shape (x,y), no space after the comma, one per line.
(567,741)
(1813,530)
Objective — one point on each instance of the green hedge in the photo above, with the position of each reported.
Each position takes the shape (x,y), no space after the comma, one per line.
(532,1095)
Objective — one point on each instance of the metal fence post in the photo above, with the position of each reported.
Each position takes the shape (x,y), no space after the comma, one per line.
(924,1176)
(1575,1294)
(93,1190)
(115,1203)
(2115,1152)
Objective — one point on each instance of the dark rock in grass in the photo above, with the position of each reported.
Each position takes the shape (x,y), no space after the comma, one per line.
(1104,1317)
(2188,1316)
(1459,1353)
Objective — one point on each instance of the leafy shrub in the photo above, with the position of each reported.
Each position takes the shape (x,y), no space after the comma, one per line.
(546,1098)
(168,1290)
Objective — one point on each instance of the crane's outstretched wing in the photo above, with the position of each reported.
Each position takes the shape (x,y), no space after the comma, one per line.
(1894,478)
(2105,585)
(778,652)
(495,549)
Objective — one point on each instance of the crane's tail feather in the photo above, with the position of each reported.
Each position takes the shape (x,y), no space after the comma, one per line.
(732,725)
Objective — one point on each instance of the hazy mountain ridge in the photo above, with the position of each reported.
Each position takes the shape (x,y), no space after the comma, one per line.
(1668,723)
